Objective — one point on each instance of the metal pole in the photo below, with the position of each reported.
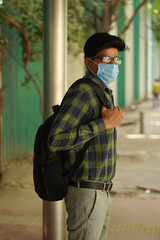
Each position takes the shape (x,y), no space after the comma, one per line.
(141,117)
(55,38)
(54,221)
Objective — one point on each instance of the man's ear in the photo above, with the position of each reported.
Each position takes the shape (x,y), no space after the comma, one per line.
(87,63)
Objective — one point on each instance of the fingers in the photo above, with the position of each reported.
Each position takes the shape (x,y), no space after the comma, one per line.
(120,111)
(112,117)
(103,109)
(116,108)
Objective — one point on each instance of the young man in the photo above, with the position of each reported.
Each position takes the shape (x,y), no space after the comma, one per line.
(81,118)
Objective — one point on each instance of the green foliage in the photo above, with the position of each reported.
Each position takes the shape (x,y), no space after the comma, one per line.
(26,82)
(3,48)
(29,15)
(154,11)
(82,16)
(88,17)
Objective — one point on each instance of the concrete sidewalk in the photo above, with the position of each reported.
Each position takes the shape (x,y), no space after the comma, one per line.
(136,197)
(20,208)
(135,211)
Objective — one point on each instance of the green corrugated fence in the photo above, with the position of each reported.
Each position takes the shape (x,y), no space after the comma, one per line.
(21,115)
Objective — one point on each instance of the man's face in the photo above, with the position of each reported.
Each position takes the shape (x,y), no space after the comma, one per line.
(109,52)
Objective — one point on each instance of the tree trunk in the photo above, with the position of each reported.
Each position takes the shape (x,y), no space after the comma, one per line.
(1,110)
(37,88)
(109,12)
(106,17)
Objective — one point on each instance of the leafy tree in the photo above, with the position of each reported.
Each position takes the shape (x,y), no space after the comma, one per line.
(27,17)
(153,8)
(87,17)
(84,18)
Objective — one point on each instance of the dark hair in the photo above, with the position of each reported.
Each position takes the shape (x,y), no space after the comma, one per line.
(102,40)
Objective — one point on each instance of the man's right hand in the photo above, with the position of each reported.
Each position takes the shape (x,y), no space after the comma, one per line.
(112,117)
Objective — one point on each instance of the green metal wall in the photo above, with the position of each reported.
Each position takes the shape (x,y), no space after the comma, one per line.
(21,115)
(136,53)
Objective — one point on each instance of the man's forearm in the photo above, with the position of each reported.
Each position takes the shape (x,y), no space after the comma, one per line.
(74,137)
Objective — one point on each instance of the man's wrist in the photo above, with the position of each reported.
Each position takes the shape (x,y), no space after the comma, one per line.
(97,126)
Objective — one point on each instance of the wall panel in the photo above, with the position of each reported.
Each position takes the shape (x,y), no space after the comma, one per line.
(21,115)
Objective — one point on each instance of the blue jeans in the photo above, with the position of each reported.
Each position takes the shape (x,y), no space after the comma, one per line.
(88,213)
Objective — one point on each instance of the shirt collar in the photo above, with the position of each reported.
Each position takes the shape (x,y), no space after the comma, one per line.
(98,81)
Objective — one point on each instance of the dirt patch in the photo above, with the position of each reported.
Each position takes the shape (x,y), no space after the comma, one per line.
(17,189)
(17,174)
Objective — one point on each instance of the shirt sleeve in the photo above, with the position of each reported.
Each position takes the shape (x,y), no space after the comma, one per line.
(71,128)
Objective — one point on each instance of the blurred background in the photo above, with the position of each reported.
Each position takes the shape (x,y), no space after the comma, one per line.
(32,34)
(21,44)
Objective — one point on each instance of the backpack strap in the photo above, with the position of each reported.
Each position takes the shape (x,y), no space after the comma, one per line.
(98,90)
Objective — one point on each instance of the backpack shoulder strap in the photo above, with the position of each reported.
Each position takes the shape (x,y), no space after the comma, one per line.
(98,90)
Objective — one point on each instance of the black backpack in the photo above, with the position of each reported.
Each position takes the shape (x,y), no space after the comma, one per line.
(49,176)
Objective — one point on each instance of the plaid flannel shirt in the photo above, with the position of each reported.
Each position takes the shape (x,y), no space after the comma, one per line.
(78,121)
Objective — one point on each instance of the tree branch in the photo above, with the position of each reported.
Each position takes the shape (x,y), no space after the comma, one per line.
(106,19)
(25,37)
(109,10)
(93,12)
(123,30)
(115,6)
(37,87)
(33,80)
(27,61)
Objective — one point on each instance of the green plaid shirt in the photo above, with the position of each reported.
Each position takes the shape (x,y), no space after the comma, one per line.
(78,121)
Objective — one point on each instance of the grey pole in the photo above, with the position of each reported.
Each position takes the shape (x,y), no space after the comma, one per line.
(141,121)
(55,38)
